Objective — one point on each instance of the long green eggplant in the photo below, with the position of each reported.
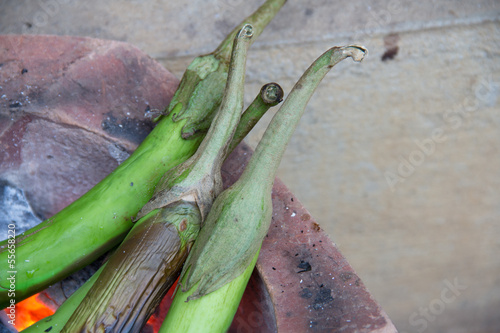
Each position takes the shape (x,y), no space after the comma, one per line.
(147,263)
(215,274)
(101,218)
(165,272)
(270,95)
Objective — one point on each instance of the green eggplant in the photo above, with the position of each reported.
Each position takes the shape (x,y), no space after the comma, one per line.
(148,262)
(219,264)
(101,218)
(269,96)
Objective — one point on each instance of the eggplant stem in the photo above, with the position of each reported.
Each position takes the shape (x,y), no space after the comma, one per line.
(267,156)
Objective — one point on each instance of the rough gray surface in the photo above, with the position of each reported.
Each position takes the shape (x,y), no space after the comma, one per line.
(438,222)
(16,215)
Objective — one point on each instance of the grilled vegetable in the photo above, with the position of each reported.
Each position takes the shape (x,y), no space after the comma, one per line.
(219,265)
(139,273)
(148,262)
(56,322)
(270,95)
(101,218)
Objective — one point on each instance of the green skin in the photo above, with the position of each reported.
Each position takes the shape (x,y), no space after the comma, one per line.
(200,175)
(97,221)
(180,236)
(57,321)
(230,240)
(223,306)
(108,293)
(145,265)
(139,273)
(270,94)
(101,218)
(205,77)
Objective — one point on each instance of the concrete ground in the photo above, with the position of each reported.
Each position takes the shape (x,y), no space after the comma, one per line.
(396,157)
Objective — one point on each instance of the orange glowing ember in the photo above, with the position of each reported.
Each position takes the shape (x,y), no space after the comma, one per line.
(157,318)
(32,310)
(29,312)
(155,323)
